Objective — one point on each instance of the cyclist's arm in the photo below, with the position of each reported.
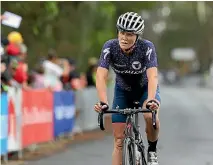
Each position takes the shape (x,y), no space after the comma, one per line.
(152,82)
(101,78)
(152,71)
(102,72)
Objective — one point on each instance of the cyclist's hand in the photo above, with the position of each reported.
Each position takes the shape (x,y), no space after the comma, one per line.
(153,104)
(101,106)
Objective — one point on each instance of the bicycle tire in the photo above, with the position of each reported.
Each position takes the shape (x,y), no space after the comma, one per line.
(143,159)
(128,157)
(141,150)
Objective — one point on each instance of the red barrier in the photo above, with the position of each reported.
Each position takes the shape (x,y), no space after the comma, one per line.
(37,117)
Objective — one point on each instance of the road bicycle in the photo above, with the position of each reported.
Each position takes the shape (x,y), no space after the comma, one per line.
(133,145)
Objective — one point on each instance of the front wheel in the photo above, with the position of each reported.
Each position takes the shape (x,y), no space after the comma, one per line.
(141,160)
(141,154)
(128,152)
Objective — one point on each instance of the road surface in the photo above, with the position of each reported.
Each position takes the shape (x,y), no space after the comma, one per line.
(186,136)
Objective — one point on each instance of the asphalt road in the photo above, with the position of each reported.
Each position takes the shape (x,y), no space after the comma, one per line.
(186,136)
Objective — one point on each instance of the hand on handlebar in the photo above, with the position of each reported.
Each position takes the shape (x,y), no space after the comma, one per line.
(101,106)
(153,104)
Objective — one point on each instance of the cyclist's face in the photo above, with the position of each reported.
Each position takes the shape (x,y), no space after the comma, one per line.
(126,39)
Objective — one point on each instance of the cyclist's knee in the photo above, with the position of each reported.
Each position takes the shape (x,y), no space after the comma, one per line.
(118,143)
(118,132)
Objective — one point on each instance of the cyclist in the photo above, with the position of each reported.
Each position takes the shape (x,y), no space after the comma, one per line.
(134,61)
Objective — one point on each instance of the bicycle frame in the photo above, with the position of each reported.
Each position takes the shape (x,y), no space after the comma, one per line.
(132,131)
(132,127)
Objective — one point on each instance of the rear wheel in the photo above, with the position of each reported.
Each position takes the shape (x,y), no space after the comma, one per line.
(128,152)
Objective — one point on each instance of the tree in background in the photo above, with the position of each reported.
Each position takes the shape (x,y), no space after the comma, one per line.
(74,29)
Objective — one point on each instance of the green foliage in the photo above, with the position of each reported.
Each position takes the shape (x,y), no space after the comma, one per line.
(75,29)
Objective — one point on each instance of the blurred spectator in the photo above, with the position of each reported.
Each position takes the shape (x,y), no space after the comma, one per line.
(83,79)
(15,48)
(53,72)
(20,73)
(91,72)
(5,71)
(12,51)
(38,77)
(6,76)
(15,37)
(72,80)
(4,41)
(13,57)
(2,50)
(4,44)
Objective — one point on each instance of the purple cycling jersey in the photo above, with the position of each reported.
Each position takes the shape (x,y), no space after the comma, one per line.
(130,69)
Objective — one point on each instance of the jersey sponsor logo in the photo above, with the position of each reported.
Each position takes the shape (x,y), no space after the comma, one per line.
(129,71)
(119,65)
(106,52)
(136,65)
(149,52)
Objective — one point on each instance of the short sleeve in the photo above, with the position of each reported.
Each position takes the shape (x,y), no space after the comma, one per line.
(104,60)
(151,56)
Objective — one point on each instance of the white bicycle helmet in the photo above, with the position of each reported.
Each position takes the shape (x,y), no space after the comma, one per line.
(131,22)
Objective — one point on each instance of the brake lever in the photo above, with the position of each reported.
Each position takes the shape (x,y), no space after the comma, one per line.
(154,119)
(100,121)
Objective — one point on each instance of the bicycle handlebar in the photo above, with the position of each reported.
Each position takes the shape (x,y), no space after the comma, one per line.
(128,111)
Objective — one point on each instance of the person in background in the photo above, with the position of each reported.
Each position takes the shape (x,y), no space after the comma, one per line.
(12,51)
(53,72)
(15,37)
(4,44)
(38,81)
(15,54)
(15,41)
(20,74)
(6,77)
(72,80)
(83,80)
(91,72)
